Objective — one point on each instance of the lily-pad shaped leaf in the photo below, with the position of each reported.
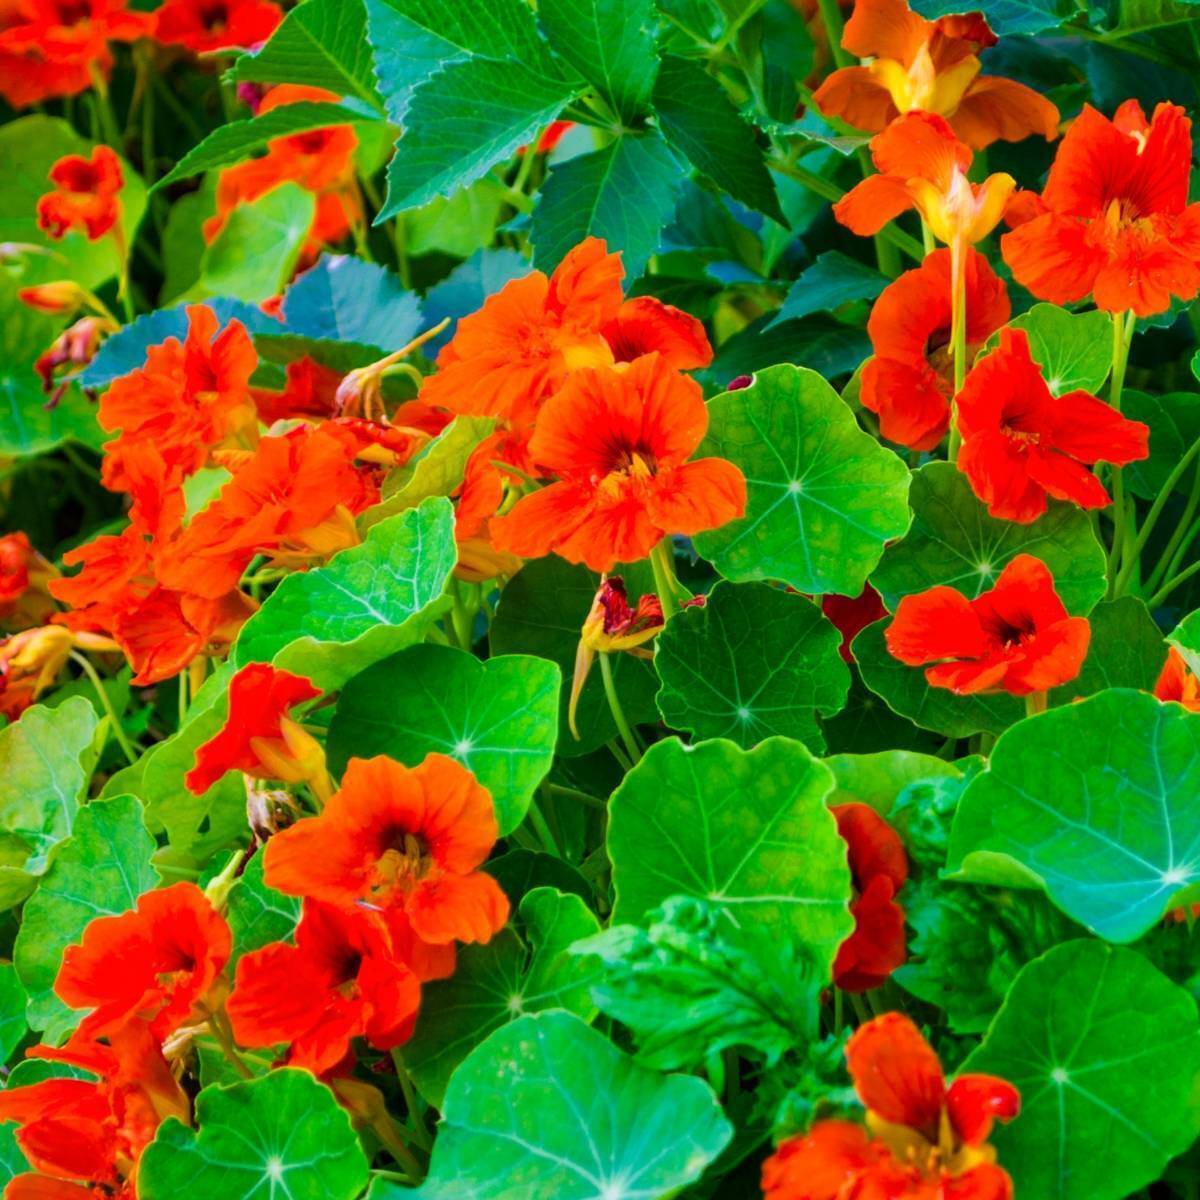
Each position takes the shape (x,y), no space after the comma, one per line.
(1126,650)
(100,870)
(366,603)
(954,542)
(283,1135)
(498,718)
(905,691)
(747,830)
(258,914)
(877,779)
(548,1107)
(496,983)
(823,496)
(1105,1051)
(752,662)
(1174,421)
(1074,350)
(1095,803)
(541,612)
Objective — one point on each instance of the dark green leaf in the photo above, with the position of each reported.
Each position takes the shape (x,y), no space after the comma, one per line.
(258,914)
(1126,650)
(1174,421)
(833,280)
(1006,17)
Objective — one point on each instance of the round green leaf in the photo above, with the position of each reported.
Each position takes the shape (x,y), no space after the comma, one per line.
(1127,650)
(1096,803)
(823,496)
(1174,421)
(1074,350)
(877,779)
(747,829)
(752,662)
(498,718)
(1105,1051)
(547,1107)
(283,1135)
(905,691)
(954,542)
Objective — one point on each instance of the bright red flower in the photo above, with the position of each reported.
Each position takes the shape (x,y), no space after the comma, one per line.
(927,1141)
(879,868)
(86,195)
(76,346)
(25,577)
(204,26)
(909,381)
(52,48)
(618,441)
(341,980)
(1114,219)
(1017,637)
(1022,444)
(310,390)
(1177,682)
(645,325)
(157,964)
(62,298)
(407,841)
(932,66)
(852,614)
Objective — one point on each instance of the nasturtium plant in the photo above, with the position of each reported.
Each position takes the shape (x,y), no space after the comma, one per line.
(599,599)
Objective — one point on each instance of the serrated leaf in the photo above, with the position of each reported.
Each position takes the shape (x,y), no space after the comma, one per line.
(547,1107)
(498,718)
(752,663)
(366,603)
(320,43)
(823,496)
(954,542)
(498,982)
(698,119)
(748,830)
(1092,803)
(1082,1033)
(284,1134)
(623,193)
(100,870)
(611,43)
(1074,350)
(1006,17)
(466,288)
(832,280)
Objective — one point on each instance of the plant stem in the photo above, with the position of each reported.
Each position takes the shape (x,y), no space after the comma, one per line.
(411,1103)
(831,18)
(665,582)
(1172,583)
(618,713)
(1122,324)
(958,337)
(1182,537)
(1152,516)
(567,793)
(126,747)
(538,821)
(1035,703)
(228,1048)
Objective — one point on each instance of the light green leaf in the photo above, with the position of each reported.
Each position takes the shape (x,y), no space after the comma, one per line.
(1094,803)
(1074,350)
(99,871)
(611,43)
(753,662)
(498,718)
(749,830)
(954,542)
(283,1135)
(496,983)
(320,43)
(823,496)
(258,914)
(1105,1051)
(547,1107)
(459,226)
(699,120)
(368,602)
(624,193)
(878,779)
(832,280)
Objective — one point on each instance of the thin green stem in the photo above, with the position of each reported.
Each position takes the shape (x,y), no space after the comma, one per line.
(538,821)
(618,713)
(1152,516)
(225,1040)
(1122,325)
(127,749)
(411,1103)
(1172,583)
(958,337)
(567,793)
(831,18)
(1181,537)
(1035,703)
(671,593)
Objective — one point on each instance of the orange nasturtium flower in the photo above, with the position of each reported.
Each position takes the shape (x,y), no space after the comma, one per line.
(86,195)
(909,381)
(407,841)
(1017,637)
(32,660)
(1113,220)
(879,868)
(1177,682)
(341,980)
(1022,444)
(618,441)
(24,577)
(205,26)
(924,1140)
(929,66)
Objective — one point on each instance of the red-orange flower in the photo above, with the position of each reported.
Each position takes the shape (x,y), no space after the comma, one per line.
(341,980)
(157,964)
(310,390)
(258,737)
(932,66)
(1114,219)
(909,381)
(926,1141)
(86,195)
(1021,444)
(1017,637)
(62,298)
(879,868)
(51,48)
(406,841)
(204,26)
(645,325)
(76,346)
(852,614)
(618,442)
(1177,682)
(25,577)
